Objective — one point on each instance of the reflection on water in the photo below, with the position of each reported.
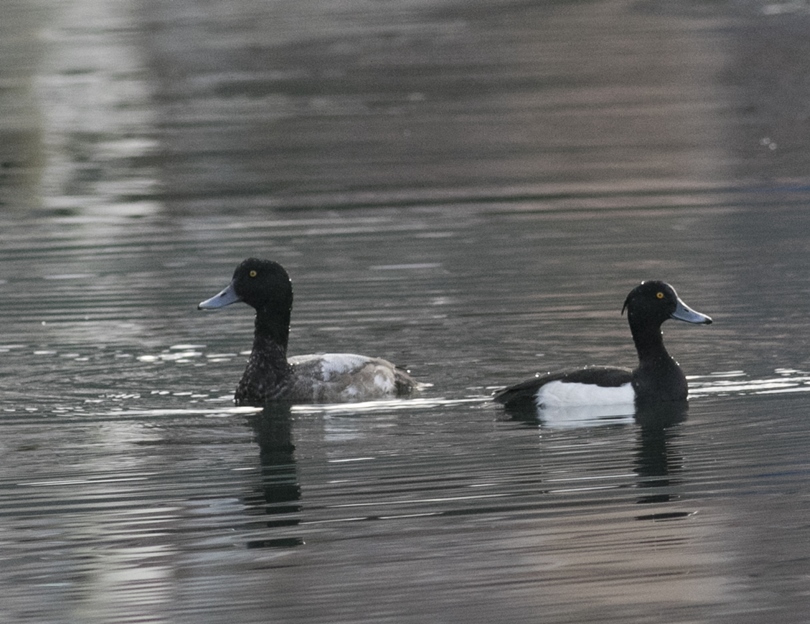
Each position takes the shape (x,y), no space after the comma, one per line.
(97,117)
(466,189)
(279,495)
(786,380)
(578,415)
(657,464)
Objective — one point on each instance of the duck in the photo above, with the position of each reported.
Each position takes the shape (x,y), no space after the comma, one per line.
(270,376)
(656,380)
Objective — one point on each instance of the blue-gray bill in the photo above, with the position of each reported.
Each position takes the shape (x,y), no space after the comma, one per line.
(684,313)
(220,300)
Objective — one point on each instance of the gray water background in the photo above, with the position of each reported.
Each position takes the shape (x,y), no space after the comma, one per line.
(466,188)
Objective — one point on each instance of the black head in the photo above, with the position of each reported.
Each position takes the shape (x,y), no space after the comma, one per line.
(653,302)
(259,283)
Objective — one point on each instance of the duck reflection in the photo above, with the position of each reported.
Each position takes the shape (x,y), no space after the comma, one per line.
(656,462)
(279,493)
(575,416)
(656,416)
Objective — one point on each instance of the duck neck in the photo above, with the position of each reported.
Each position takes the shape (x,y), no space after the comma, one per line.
(272,332)
(649,343)
(658,376)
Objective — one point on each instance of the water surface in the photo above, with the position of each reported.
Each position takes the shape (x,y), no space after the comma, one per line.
(467,189)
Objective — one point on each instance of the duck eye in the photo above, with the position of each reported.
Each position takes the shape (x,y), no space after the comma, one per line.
(253,274)
(659,295)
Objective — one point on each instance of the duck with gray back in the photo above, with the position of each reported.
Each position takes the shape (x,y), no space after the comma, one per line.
(657,379)
(271,376)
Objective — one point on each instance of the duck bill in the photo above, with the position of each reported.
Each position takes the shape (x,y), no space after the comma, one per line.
(684,313)
(220,300)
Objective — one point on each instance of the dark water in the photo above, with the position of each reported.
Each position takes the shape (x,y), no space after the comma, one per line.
(468,189)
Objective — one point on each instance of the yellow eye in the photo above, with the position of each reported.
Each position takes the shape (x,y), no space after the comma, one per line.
(253,274)
(659,295)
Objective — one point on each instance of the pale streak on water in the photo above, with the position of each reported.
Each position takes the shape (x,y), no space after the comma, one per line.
(469,189)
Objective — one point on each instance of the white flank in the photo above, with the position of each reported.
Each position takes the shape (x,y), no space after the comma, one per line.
(350,377)
(565,394)
(341,364)
(333,364)
(385,383)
